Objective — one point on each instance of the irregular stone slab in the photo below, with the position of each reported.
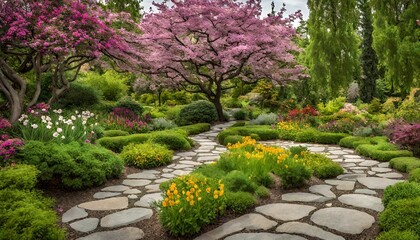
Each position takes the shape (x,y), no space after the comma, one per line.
(208,158)
(358,171)
(359,168)
(100,195)
(153,187)
(147,200)
(348,165)
(381,170)
(338,152)
(341,185)
(285,211)
(363,201)
(143,175)
(161,180)
(343,219)
(263,236)
(383,165)
(351,156)
(181,166)
(353,160)
(186,154)
(377,182)
(350,176)
(73,214)
(106,204)
(306,229)
(368,163)
(180,172)
(85,225)
(126,217)
(371,173)
(168,175)
(190,163)
(250,221)
(365,191)
(390,175)
(167,170)
(316,149)
(132,191)
(132,196)
(303,197)
(116,188)
(128,233)
(136,183)
(324,190)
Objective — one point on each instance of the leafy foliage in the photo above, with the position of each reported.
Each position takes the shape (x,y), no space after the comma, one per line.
(198,112)
(22,177)
(146,155)
(401,215)
(402,190)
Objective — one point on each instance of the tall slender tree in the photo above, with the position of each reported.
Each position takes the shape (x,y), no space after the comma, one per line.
(369,59)
(396,40)
(333,49)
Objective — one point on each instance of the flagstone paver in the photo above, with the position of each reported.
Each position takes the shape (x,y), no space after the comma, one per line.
(357,188)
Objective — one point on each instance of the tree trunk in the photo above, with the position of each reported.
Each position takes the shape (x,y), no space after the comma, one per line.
(14,88)
(219,109)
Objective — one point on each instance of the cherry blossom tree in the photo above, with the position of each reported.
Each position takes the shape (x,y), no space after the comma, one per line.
(56,36)
(201,45)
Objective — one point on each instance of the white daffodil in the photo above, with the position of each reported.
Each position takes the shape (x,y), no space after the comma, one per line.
(62,137)
(55,134)
(59,130)
(25,122)
(73,127)
(34,125)
(73,118)
(48,126)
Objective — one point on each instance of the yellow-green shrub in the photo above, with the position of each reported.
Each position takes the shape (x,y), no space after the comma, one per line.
(146,155)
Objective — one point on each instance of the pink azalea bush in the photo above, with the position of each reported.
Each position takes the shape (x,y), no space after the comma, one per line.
(122,118)
(407,135)
(8,145)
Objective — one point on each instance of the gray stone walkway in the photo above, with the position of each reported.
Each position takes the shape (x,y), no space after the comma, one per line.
(131,201)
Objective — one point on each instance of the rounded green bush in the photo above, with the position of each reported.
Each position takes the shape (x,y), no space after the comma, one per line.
(232,139)
(239,115)
(239,124)
(402,190)
(130,104)
(28,215)
(146,155)
(401,215)
(116,144)
(307,135)
(329,138)
(198,112)
(172,140)
(236,181)
(76,165)
(262,192)
(210,171)
(239,202)
(328,170)
(115,133)
(293,173)
(414,175)
(80,95)
(405,164)
(400,235)
(373,152)
(19,177)
(195,128)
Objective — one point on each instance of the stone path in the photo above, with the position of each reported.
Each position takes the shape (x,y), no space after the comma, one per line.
(334,209)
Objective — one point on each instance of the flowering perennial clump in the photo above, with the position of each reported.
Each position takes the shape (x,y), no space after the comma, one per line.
(190,202)
(125,119)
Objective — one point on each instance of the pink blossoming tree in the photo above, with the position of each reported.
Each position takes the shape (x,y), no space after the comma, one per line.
(55,36)
(201,45)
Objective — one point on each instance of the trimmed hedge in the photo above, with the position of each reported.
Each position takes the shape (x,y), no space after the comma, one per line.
(239,202)
(405,164)
(172,140)
(195,128)
(76,165)
(354,142)
(27,215)
(414,175)
(401,215)
(116,144)
(23,177)
(263,132)
(115,133)
(402,190)
(400,235)
(376,152)
(232,139)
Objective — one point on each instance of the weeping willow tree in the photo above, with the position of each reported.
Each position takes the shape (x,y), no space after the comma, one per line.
(332,54)
(396,39)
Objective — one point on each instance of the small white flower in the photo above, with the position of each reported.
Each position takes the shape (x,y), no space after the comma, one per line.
(49,123)
(44,110)
(84,122)
(92,114)
(59,130)
(48,126)
(44,121)
(69,122)
(77,112)
(32,111)
(25,122)
(56,123)
(73,127)
(60,118)
(79,116)
(48,118)
(96,124)
(55,134)
(62,137)
(73,118)
(59,111)
(43,117)
(34,125)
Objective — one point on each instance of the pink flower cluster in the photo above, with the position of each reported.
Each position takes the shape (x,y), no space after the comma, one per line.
(39,109)
(8,146)
(124,119)
(407,135)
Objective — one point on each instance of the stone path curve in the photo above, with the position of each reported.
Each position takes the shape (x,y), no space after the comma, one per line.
(131,201)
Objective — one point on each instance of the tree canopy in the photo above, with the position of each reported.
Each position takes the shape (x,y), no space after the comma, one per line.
(202,45)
